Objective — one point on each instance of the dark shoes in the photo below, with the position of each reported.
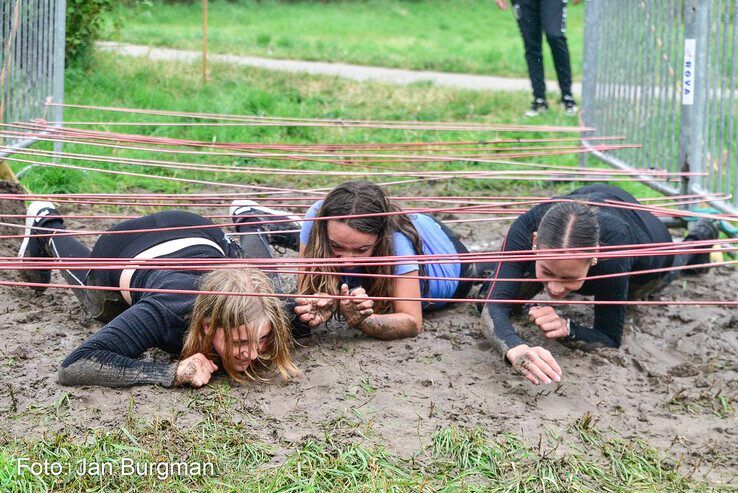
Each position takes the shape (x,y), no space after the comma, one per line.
(705,229)
(537,107)
(285,234)
(37,215)
(569,105)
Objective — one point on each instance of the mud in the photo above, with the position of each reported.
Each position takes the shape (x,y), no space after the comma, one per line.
(667,384)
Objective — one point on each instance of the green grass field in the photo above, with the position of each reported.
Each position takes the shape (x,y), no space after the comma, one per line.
(470,36)
(144,84)
(579,458)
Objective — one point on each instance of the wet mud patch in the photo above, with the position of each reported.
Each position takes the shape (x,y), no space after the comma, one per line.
(673,383)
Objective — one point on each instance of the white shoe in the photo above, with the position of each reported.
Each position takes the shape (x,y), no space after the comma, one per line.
(33,246)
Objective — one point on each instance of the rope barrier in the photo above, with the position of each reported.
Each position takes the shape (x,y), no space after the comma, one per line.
(204,265)
(381,298)
(602,252)
(334,122)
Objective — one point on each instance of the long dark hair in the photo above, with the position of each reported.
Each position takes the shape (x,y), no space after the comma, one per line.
(569,225)
(354,198)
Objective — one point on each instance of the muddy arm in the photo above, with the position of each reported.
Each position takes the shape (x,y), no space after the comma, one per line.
(110,357)
(390,326)
(407,319)
(496,323)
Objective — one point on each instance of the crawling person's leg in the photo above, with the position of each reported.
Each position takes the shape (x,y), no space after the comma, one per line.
(282,234)
(99,304)
(256,238)
(705,229)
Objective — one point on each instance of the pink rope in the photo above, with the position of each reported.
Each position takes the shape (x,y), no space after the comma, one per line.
(601,252)
(328,121)
(379,298)
(207,266)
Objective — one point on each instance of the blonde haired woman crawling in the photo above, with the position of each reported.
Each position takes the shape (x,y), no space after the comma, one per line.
(247,336)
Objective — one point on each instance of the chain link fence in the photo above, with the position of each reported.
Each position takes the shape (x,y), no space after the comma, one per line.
(663,75)
(31,64)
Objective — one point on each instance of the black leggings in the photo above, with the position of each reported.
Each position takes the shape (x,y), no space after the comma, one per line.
(535,17)
(104,305)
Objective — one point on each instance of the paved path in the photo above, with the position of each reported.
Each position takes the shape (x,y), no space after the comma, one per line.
(345,70)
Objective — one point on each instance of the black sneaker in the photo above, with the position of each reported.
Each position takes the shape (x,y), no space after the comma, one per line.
(569,105)
(705,229)
(37,247)
(537,107)
(283,234)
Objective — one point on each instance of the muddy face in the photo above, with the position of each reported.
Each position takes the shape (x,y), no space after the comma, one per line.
(347,242)
(243,350)
(566,273)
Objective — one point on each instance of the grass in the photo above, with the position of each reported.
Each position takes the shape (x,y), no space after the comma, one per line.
(707,401)
(145,84)
(470,36)
(221,455)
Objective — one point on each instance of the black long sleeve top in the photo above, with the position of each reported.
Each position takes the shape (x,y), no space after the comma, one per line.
(617,227)
(112,356)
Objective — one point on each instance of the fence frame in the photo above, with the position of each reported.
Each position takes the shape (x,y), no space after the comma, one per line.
(707,83)
(45,59)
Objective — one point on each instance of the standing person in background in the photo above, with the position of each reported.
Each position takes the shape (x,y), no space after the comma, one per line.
(534,17)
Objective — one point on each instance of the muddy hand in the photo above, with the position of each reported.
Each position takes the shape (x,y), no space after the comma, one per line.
(546,318)
(195,370)
(534,363)
(358,309)
(314,311)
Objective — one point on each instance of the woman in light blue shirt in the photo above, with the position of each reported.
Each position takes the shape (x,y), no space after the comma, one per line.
(382,234)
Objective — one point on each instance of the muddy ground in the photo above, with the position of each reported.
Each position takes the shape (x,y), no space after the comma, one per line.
(398,393)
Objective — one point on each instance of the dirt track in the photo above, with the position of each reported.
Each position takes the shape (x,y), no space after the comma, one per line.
(398,393)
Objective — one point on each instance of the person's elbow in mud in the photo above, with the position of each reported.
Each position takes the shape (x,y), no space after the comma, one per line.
(392,326)
(69,374)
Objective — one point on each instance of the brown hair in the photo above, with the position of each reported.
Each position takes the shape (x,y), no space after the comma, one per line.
(352,198)
(569,225)
(227,312)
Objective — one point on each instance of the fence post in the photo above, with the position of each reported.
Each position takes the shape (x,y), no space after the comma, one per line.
(694,96)
(589,68)
(59,44)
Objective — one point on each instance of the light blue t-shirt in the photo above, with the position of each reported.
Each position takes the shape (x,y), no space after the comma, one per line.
(435,242)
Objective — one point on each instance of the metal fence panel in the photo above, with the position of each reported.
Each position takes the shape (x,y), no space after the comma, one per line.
(31,63)
(663,74)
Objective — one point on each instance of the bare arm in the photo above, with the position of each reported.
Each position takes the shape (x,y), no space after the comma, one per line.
(407,319)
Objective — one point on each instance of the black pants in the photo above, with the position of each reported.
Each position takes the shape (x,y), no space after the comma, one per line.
(535,17)
(104,305)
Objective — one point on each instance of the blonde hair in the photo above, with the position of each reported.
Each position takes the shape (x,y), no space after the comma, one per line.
(227,312)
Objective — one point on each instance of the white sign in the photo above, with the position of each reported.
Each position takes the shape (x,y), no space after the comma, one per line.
(688,72)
